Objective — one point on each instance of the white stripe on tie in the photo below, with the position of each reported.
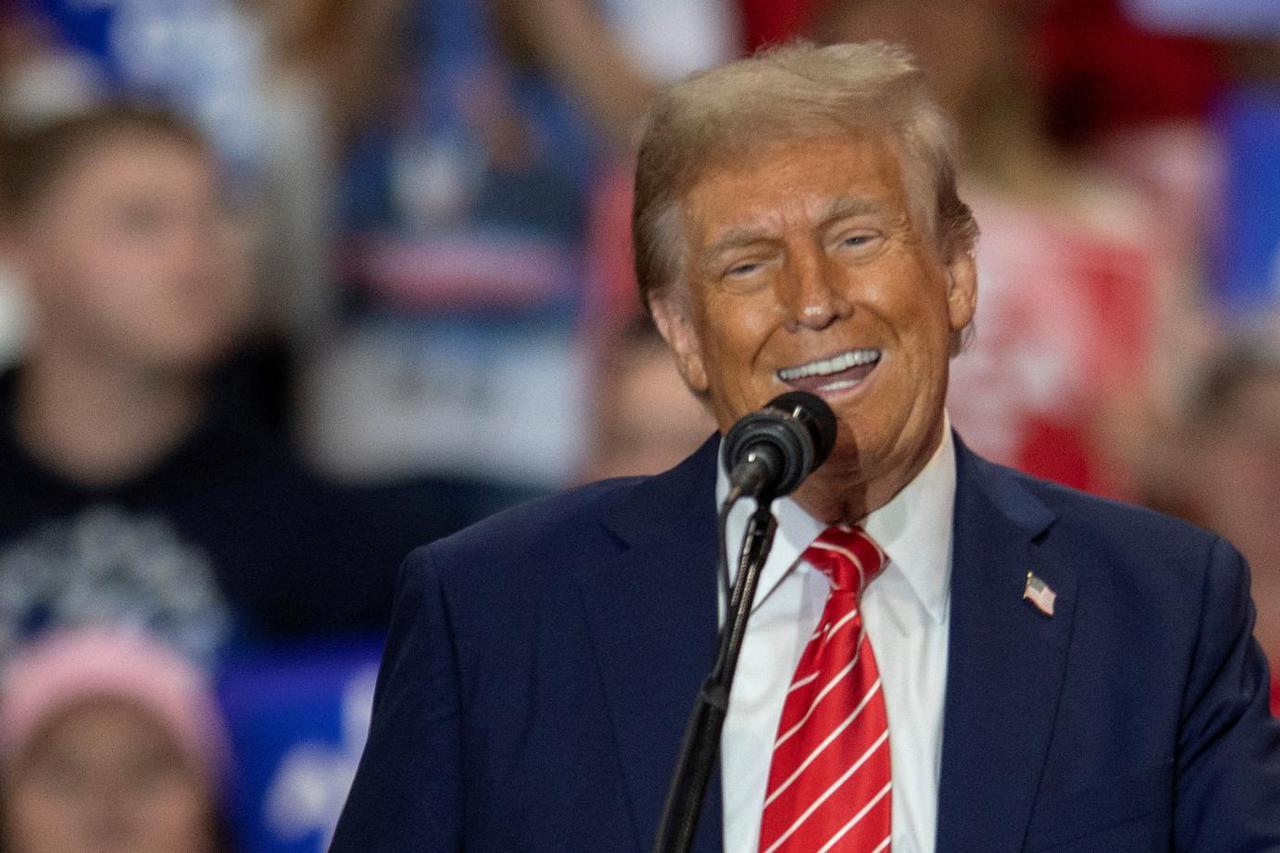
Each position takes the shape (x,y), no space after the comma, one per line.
(826,688)
(813,807)
(803,681)
(813,755)
(859,816)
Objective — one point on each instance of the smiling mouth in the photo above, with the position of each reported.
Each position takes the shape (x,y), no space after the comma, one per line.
(831,375)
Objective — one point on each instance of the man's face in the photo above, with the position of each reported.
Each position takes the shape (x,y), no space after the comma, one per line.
(133,259)
(808,268)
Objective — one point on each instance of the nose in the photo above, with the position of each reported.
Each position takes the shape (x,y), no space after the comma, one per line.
(812,297)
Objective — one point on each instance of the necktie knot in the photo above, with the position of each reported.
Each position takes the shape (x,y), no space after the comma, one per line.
(848,556)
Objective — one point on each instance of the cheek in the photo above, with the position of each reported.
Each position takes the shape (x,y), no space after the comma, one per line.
(100,270)
(741,322)
(179,813)
(919,308)
(733,331)
(38,815)
(737,332)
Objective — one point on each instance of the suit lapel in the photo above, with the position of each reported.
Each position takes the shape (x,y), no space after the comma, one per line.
(1006,661)
(651,610)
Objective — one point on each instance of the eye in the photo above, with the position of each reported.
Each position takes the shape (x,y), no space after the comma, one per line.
(857,240)
(743,270)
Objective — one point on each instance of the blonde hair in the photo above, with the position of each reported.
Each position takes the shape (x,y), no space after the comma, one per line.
(788,92)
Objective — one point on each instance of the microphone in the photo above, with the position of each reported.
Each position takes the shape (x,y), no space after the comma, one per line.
(769,452)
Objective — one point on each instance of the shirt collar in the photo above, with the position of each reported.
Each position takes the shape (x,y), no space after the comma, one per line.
(913,528)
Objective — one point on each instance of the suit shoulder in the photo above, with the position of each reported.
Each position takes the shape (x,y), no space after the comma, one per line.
(1129,519)
(554,523)
(1108,526)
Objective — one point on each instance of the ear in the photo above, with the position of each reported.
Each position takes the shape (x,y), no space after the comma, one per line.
(962,289)
(671,315)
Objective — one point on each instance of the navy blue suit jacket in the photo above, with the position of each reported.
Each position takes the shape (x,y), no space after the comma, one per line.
(542,664)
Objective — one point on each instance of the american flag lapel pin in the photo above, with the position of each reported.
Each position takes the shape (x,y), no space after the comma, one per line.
(1039,593)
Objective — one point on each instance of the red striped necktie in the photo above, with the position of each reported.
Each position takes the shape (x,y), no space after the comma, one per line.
(829,783)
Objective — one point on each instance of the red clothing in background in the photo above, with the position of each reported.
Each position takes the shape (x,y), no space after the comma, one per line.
(1061,329)
(1102,72)
(766,22)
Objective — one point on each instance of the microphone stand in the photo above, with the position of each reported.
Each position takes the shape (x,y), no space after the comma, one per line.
(702,734)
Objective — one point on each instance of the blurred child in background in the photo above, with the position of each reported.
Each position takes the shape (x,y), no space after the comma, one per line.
(109,742)
(646,421)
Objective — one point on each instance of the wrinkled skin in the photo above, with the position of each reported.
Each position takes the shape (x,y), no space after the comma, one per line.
(807,249)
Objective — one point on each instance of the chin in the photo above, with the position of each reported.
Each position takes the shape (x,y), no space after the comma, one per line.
(847,461)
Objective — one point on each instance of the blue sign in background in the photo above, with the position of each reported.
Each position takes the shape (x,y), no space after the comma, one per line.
(1247,267)
(298,719)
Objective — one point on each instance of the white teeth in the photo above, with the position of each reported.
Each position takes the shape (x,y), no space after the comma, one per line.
(828,366)
(839,385)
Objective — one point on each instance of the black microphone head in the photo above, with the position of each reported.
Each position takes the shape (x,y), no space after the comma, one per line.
(813,412)
(786,440)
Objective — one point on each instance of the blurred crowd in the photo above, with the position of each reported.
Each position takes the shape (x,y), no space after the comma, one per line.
(290,287)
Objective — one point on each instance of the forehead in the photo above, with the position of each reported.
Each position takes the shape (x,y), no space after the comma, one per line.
(796,182)
(96,726)
(129,159)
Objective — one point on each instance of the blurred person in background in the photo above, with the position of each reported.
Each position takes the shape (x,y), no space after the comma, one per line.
(610,57)
(473,295)
(109,742)
(1221,470)
(275,85)
(136,481)
(646,420)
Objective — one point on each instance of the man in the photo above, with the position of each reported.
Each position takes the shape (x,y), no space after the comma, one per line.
(1049,670)
(135,484)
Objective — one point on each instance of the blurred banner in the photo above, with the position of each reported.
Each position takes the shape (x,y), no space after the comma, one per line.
(1248,251)
(1247,18)
(298,719)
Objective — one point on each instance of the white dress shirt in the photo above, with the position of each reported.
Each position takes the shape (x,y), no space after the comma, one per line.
(906,614)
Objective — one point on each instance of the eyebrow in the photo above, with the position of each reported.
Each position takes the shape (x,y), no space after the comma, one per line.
(736,238)
(846,206)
